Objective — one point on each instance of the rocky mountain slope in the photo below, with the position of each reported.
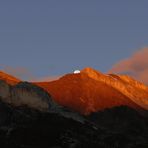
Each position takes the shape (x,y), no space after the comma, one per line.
(131,88)
(90,91)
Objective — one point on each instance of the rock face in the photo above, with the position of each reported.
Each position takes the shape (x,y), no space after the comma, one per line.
(91,91)
(26,94)
(131,88)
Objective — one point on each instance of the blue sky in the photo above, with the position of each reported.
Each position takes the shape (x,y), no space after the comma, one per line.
(53,37)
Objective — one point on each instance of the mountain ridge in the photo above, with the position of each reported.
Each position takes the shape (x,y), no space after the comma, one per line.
(133,89)
(91,91)
(81,91)
(9,78)
(90,113)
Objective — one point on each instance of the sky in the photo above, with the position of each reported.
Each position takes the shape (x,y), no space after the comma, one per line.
(53,37)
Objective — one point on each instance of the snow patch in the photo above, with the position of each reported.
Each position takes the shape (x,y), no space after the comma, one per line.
(76,71)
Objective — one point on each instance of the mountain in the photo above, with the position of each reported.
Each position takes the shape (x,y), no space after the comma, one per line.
(88,91)
(25,94)
(91,91)
(133,89)
(8,78)
(108,118)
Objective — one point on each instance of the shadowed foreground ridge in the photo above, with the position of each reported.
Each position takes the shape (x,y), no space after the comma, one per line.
(119,127)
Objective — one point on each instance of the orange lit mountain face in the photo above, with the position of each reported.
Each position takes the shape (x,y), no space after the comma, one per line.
(8,78)
(91,91)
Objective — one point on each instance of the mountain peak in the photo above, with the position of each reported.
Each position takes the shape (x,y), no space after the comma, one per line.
(91,72)
(91,90)
(8,78)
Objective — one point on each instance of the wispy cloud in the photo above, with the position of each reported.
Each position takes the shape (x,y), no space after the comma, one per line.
(47,78)
(136,65)
(26,74)
(19,72)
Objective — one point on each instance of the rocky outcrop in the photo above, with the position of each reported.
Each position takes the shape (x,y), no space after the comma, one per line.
(26,94)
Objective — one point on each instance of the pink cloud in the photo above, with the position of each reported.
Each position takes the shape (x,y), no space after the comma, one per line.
(25,74)
(47,78)
(19,72)
(136,66)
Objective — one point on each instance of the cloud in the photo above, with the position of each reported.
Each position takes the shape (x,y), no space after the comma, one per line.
(26,74)
(136,66)
(47,78)
(19,72)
